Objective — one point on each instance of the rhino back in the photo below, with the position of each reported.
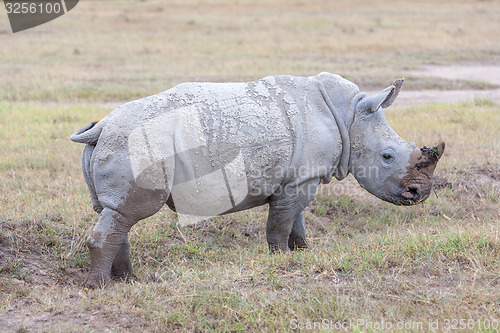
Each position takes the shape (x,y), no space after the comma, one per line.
(256,132)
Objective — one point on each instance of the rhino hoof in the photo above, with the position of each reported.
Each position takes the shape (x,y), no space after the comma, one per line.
(297,243)
(96,281)
(278,248)
(300,248)
(126,276)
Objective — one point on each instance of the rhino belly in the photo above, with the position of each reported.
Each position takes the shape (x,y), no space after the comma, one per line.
(238,179)
(215,155)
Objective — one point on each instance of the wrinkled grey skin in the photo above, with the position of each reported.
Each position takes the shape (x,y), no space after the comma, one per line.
(279,136)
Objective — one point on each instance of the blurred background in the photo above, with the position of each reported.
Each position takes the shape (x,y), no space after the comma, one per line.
(120,50)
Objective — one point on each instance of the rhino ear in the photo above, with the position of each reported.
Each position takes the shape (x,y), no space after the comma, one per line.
(382,99)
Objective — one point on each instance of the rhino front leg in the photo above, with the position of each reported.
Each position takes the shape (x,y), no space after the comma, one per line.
(122,266)
(285,229)
(278,230)
(297,239)
(105,242)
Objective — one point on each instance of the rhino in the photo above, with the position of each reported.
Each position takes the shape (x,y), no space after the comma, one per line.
(207,149)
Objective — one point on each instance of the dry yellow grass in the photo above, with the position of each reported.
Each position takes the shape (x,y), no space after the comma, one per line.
(371,261)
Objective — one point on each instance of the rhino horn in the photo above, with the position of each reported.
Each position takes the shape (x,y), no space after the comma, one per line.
(383,99)
(440,149)
(434,153)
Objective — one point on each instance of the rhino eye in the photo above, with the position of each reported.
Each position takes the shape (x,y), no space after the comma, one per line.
(387,157)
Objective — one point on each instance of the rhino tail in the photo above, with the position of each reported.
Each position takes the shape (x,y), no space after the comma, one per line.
(88,134)
(87,153)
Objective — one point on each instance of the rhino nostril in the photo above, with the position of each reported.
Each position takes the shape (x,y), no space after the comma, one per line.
(414,191)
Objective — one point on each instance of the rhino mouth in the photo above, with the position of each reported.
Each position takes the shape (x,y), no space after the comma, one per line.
(413,197)
(407,197)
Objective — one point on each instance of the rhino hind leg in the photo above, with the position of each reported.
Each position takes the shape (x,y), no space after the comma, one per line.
(121,269)
(105,242)
(297,239)
(108,241)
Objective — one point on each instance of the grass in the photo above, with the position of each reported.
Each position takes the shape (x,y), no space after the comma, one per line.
(371,262)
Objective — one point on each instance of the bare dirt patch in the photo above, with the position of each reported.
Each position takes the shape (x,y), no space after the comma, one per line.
(29,276)
(22,320)
(488,74)
(472,178)
(481,73)
(414,97)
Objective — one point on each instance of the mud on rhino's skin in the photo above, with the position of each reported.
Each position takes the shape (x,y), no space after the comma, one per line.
(419,173)
(215,148)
